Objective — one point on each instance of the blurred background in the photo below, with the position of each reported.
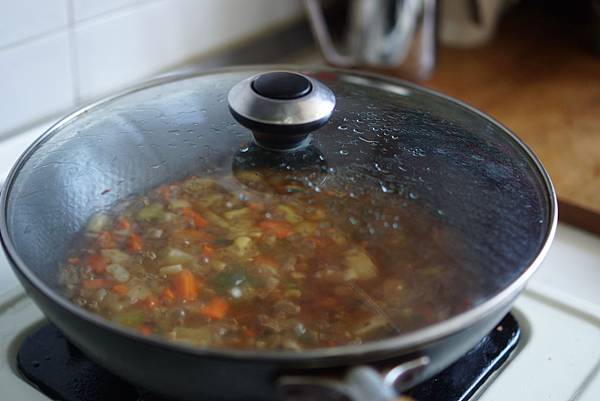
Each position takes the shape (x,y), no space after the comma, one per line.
(533,65)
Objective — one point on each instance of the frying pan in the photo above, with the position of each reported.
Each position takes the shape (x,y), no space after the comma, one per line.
(483,181)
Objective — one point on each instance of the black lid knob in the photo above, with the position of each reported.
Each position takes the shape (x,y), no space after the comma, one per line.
(281,108)
(281,85)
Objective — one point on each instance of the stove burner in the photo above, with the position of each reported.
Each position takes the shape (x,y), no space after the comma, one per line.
(63,373)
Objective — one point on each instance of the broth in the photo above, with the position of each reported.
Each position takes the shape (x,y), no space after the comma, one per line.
(262,261)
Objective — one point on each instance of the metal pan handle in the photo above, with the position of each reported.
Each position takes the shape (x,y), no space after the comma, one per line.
(361,383)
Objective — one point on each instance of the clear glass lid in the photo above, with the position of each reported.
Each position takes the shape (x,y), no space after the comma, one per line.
(419,205)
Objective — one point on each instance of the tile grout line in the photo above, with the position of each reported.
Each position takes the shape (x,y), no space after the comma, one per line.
(116,11)
(30,39)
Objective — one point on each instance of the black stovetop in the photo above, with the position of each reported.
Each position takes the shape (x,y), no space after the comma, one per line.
(62,372)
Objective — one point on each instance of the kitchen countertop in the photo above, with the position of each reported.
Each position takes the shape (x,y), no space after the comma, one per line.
(540,79)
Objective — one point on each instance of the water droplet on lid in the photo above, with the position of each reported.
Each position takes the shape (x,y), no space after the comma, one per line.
(440,212)
(380,168)
(385,188)
(344,152)
(413,195)
(244,148)
(342,127)
(369,141)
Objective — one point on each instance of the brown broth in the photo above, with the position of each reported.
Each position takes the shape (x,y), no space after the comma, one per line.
(266,264)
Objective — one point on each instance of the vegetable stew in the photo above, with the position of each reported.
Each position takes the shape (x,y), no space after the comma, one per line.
(262,261)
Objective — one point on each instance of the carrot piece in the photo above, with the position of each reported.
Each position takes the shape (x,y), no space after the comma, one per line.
(208,250)
(279,229)
(123,223)
(255,205)
(145,329)
(96,284)
(134,243)
(105,240)
(97,263)
(215,309)
(194,217)
(249,333)
(185,286)
(120,289)
(267,261)
(151,302)
(167,296)
(194,235)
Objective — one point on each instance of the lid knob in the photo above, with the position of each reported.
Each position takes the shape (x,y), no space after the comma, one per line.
(281,108)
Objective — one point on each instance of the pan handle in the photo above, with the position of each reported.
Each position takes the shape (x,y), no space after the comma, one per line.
(361,383)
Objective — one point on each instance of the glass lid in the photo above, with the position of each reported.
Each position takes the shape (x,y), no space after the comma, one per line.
(291,209)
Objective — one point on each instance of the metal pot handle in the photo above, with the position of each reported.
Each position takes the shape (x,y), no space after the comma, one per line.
(361,383)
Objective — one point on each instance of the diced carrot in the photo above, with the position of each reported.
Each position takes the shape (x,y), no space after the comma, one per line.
(194,217)
(120,289)
(249,333)
(208,250)
(105,240)
(168,296)
(74,261)
(151,302)
(279,229)
(145,329)
(185,286)
(96,284)
(97,263)
(255,205)
(263,260)
(215,309)
(123,223)
(134,243)
(193,235)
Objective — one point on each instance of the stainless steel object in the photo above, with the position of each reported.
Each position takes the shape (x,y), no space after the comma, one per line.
(382,34)
(281,107)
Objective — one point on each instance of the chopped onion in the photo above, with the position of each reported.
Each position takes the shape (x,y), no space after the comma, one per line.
(171,269)
(98,222)
(118,272)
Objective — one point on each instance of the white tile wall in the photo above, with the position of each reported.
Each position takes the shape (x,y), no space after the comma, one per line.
(57,53)
(35,81)
(23,19)
(137,43)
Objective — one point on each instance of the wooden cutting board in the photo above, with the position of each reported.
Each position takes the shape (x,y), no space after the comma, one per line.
(541,79)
